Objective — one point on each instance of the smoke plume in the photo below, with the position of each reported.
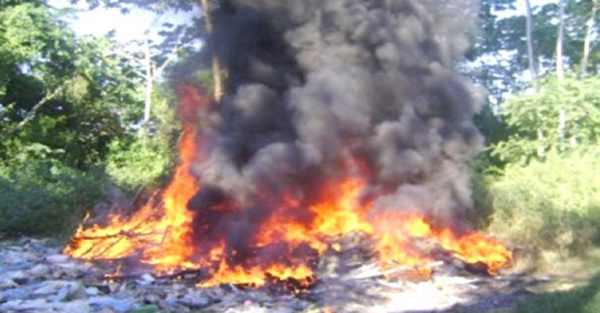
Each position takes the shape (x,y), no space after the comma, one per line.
(319,90)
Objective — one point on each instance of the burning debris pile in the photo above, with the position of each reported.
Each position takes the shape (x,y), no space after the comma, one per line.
(34,277)
(343,117)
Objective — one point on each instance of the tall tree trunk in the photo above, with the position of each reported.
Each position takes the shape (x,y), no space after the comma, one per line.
(560,72)
(588,38)
(530,54)
(149,82)
(541,151)
(216,64)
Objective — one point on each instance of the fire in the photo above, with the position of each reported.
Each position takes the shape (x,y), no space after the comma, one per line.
(400,229)
(286,243)
(161,235)
(475,248)
(258,276)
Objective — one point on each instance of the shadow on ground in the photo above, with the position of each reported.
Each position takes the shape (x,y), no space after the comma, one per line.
(563,296)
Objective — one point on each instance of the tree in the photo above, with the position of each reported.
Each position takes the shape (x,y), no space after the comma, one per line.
(215,62)
(69,94)
(530,54)
(560,72)
(153,57)
(207,6)
(588,37)
(527,113)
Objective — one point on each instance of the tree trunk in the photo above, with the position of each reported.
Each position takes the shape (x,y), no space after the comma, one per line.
(588,38)
(560,72)
(31,114)
(216,64)
(541,151)
(149,82)
(530,54)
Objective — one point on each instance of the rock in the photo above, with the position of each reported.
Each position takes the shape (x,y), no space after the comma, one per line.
(35,305)
(57,258)
(151,299)
(77,306)
(195,299)
(50,287)
(15,276)
(6,283)
(92,291)
(14,294)
(117,305)
(146,279)
(71,291)
(19,257)
(62,295)
(39,270)
(67,270)
(104,288)
(297,305)
(170,305)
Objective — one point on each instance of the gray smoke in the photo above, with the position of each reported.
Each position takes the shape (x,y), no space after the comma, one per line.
(315,83)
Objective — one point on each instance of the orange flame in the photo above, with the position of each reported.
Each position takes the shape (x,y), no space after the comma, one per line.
(161,235)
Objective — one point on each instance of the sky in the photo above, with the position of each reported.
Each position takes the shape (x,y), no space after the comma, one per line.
(127,27)
(133,25)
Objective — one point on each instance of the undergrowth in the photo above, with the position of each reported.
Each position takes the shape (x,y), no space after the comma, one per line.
(548,205)
(44,197)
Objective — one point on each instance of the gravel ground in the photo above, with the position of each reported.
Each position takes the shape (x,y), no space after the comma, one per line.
(35,277)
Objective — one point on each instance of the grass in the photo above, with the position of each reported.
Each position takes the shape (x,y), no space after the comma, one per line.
(583,299)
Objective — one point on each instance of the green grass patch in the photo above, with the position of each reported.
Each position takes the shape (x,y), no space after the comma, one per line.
(583,299)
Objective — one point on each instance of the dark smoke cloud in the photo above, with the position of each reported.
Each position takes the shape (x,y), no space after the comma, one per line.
(313,83)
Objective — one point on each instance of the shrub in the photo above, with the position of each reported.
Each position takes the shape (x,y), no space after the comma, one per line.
(138,164)
(145,159)
(548,205)
(44,197)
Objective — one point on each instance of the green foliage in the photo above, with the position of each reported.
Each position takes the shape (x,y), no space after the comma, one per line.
(535,119)
(63,100)
(584,299)
(548,205)
(41,196)
(138,164)
(146,159)
(68,93)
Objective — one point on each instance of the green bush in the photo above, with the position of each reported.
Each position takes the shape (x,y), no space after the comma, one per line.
(146,158)
(534,119)
(44,197)
(138,164)
(547,205)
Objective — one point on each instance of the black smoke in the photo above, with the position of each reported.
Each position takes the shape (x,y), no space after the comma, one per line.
(312,84)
